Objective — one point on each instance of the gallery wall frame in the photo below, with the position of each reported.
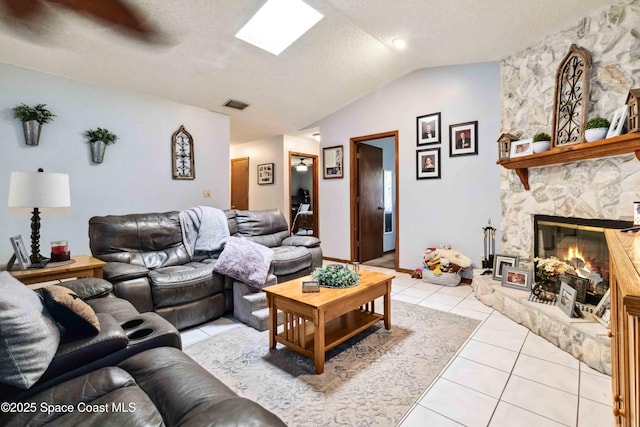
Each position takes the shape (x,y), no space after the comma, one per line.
(428,164)
(463,139)
(333,162)
(266,173)
(428,129)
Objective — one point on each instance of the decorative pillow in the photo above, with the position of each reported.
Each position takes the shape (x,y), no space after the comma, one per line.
(245,261)
(70,311)
(29,337)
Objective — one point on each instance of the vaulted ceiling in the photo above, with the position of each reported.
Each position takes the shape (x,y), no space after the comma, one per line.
(196,60)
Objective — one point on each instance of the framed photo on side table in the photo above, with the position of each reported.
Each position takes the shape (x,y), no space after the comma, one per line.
(428,163)
(502,261)
(463,139)
(265,173)
(21,252)
(332,162)
(516,278)
(428,129)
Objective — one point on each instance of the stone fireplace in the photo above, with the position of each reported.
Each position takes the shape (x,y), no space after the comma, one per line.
(597,189)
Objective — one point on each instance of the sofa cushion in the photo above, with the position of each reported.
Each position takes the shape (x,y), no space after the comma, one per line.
(245,260)
(266,227)
(182,284)
(151,240)
(290,259)
(70,311)
(89,287)
(29,337)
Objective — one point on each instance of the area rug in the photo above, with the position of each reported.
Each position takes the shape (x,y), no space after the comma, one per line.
(369,380)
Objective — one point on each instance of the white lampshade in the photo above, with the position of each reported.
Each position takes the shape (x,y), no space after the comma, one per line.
(44,190)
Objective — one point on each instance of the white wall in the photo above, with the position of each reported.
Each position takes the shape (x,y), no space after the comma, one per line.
(266,196)
(136,173)
(388,147)
(272,150)
(451,210)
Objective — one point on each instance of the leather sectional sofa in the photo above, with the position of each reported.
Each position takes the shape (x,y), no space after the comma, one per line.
(150,266)
(132,373)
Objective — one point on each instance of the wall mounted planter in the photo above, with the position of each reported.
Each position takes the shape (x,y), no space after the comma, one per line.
(97,151)
(31,132)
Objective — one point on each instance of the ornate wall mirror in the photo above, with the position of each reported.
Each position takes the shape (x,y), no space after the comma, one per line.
(571,97)
(182,155)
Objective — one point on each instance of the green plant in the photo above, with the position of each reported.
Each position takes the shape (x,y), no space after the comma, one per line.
(38,113)
(541,137)
(597,122)
(335,276)
(100,134)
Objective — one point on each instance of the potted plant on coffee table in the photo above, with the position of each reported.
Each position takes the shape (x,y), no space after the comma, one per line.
(596,129)
(32,119)
(541,142)
(99,139)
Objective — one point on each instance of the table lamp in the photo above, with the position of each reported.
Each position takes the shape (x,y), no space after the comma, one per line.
(46,193)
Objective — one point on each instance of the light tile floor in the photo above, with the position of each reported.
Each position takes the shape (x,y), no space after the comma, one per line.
(504,375)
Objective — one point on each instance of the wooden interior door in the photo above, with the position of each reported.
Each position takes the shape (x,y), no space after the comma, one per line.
(240,183)
(371,204)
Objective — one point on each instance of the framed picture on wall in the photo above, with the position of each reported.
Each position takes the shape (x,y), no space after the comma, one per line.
(332,162)
(428,129)
(428,163)
(265,173)
(463,139)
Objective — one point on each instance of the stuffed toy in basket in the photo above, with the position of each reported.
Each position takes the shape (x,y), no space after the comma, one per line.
(443,266)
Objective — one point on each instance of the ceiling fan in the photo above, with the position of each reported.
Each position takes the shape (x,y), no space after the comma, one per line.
(33,13)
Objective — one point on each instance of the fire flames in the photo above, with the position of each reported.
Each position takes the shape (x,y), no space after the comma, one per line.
(577,258)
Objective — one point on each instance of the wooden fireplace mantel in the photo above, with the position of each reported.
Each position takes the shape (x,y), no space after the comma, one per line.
(623,144)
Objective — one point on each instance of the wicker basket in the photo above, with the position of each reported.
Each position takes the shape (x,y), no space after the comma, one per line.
(445,279)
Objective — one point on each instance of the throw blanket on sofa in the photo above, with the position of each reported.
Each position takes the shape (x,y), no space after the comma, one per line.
(204,228)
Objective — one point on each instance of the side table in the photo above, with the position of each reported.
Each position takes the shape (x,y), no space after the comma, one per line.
(84,266)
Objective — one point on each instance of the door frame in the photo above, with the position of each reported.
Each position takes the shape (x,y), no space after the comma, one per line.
(314,199)
(354,178)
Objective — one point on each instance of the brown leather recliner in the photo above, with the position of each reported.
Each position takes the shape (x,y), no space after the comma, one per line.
(131,373)
(149,265)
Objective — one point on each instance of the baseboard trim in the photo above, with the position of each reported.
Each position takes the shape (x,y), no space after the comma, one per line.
(326,258)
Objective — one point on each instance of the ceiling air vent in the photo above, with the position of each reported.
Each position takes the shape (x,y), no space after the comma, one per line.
(238,105)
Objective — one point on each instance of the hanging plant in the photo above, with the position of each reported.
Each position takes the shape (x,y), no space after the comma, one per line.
(99,139)
(32,119)
(38,113)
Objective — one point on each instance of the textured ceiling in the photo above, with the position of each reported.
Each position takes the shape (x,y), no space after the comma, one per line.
(345,56)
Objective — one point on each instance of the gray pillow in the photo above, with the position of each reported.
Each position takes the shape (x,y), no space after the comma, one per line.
(29,336)
(246,261)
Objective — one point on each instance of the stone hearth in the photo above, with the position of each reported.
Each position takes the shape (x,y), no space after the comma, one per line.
(585,339)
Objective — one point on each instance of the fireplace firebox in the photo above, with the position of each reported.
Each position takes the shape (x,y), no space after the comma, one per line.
(581,243)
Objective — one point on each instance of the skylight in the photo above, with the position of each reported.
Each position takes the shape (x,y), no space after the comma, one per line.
(278,24)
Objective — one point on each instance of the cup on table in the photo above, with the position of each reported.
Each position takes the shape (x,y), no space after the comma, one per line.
(60,251)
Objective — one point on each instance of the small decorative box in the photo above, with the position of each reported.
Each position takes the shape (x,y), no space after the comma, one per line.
(311,286)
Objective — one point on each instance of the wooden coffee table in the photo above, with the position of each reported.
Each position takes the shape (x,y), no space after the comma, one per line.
(317,322)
